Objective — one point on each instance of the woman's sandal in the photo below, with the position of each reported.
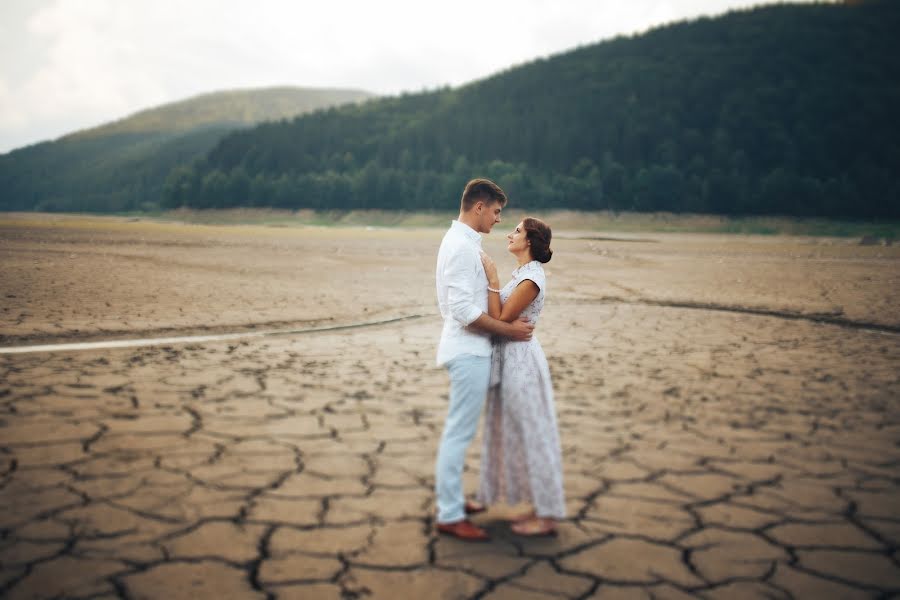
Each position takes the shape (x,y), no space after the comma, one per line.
(523,517)
(534,527)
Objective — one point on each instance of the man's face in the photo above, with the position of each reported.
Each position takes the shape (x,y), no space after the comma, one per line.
(490,216)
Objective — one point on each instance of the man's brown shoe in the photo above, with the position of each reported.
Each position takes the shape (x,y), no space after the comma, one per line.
(473,508)
(464,530)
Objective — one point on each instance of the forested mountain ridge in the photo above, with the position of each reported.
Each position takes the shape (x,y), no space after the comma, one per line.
(787,109)
(229,107)
(123,165)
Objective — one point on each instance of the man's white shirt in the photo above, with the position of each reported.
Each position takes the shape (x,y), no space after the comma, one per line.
(462,293)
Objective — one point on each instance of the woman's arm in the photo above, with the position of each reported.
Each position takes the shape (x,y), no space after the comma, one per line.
(518,330)
(522,296)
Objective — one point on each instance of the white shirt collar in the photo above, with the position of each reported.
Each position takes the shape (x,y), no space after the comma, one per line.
(466,231)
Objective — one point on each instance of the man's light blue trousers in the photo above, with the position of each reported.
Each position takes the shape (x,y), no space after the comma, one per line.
(469,378)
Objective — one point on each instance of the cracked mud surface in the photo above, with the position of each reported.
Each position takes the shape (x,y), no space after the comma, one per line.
(707,453)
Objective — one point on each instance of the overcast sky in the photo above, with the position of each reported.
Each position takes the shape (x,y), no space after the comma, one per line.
(70,64)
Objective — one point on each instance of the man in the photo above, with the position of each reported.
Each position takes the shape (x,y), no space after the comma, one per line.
(465,347)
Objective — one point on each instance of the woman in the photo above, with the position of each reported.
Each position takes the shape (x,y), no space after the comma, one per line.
(521,460)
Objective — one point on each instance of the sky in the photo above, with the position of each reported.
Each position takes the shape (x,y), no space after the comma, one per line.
(70,64)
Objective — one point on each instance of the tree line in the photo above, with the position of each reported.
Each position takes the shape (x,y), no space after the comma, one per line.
(787,109)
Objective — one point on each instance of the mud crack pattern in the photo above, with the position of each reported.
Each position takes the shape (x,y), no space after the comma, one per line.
(302,468)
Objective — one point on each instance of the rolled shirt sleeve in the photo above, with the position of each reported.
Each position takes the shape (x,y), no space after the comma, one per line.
(461,288)
(461,276)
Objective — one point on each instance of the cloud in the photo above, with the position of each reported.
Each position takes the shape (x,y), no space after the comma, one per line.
(69,64)
(89,71)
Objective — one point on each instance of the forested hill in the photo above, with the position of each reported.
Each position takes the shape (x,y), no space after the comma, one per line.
(123,165)
(787,109)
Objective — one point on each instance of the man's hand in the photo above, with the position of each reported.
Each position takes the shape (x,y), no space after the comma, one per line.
(521,330)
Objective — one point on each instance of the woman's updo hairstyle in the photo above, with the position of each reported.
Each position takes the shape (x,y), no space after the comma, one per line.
(538,233)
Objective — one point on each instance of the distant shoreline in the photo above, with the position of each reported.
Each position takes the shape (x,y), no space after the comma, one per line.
(870,232)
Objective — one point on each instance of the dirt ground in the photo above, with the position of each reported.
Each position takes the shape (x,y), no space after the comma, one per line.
(728,408)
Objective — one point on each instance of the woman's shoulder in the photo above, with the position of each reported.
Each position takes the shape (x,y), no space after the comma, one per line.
(533,271)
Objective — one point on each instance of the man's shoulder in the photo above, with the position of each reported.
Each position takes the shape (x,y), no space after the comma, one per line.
(446,243)
(453,242)
(454,248)
(452,233)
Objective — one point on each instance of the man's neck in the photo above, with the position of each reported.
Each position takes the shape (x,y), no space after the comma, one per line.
(469,220)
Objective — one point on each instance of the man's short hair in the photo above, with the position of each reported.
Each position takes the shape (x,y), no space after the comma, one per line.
(484,190)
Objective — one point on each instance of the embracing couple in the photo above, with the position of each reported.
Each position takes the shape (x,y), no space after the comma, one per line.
(521,459)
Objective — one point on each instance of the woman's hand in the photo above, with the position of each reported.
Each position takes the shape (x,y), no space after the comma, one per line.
(490,270)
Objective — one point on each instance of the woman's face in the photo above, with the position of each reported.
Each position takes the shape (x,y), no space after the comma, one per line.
(517,241)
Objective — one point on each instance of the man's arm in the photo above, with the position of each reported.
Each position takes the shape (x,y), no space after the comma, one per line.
(518,330)
(460,276)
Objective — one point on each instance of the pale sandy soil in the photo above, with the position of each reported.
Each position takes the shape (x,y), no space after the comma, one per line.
(727,404)
(65,276)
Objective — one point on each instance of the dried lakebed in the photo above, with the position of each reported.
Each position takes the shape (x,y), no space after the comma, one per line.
(707,453)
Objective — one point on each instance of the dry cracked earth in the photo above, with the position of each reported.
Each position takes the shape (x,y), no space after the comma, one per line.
(720,439)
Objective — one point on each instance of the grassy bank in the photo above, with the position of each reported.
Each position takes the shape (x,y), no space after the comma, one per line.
(571,221)
(625,222)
